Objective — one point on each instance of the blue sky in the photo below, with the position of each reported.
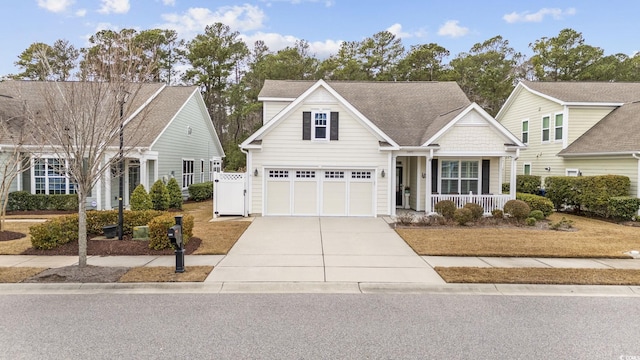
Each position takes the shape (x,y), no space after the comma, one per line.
(453,24)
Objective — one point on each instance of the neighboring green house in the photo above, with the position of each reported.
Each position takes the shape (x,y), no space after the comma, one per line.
(176,139)
(341,148)
(576,128)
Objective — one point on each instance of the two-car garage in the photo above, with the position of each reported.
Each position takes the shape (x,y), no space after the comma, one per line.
(313,192)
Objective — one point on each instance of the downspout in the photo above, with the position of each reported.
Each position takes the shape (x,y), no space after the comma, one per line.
(637,156)
(512,181)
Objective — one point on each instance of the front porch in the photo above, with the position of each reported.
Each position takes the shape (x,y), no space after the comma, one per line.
(460,179)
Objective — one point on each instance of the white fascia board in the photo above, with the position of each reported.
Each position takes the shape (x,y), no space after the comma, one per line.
(266,98)
(466,154)
(613,153)
(484,115)
(516,91)
(320,83)
(594,104)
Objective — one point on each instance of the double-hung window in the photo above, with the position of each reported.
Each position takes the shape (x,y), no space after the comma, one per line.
(459,177)
(526,169)
(201,170)
(187,173)
(50,176)
(525,131)
(320,125)
(545,128)
(558,127)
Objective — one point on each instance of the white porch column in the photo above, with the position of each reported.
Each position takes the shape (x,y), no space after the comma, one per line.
(512,180)
(428,186)
(418,181)
(98,190)
(501,176)
(144,179)
(107,187)
(394,160)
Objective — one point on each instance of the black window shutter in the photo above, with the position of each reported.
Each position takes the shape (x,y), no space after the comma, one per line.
(486,169)
(434,176)
(334,126)
(306,125)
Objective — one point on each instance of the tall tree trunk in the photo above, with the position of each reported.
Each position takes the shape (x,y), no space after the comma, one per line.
(82,230)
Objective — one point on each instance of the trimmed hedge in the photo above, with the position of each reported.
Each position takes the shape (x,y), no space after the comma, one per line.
(561,190)
(536,202)
(159,226)
(202,191)
(591,192)
(476,210)
(528,184)
(25,201)
(623,207)
(517,209)
(463,215)
(446,208)
(64,229)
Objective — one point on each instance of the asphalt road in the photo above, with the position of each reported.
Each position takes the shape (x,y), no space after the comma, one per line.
(298,326)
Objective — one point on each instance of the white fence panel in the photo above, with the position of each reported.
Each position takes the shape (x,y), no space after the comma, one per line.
(229,192)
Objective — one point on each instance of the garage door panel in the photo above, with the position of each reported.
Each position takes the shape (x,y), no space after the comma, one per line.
(360,199)
(334,198)
(305,197)
(278,198)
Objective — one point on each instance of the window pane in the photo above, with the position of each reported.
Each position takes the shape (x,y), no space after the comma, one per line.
(321,132)
(525,137)
(558,133)
(469,169)
(559,120)
(527,169)
(525,126)
(545,135)
(545,122)
(449,186)
(450,169)
(469,186)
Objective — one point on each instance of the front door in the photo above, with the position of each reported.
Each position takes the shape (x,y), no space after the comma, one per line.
(399,186)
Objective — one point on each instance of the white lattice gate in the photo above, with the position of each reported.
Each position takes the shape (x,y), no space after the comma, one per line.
(229,194)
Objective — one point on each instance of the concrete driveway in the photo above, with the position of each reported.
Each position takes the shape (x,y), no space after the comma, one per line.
(320,249)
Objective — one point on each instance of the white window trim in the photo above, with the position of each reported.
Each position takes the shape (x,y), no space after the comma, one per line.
(202,170)
(528,132)
(186,176)
(313,125)
(215,165)
(555,127)
(576,171)
(542,128)
(524,166)
(460,178)
(46,177)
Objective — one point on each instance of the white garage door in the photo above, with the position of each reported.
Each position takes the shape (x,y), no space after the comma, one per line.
(319,192)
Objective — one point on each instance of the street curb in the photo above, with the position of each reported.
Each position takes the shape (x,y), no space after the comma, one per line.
(320,288)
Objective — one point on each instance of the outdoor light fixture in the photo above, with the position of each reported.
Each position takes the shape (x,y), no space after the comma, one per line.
(424,175)
(382,173)
(255,172)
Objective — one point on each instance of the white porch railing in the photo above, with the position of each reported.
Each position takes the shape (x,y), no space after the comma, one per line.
(488,202)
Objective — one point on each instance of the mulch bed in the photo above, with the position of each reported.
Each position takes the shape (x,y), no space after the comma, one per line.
(10,235)
(113,247)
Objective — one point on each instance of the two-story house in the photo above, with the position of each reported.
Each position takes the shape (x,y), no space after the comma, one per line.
(576,128)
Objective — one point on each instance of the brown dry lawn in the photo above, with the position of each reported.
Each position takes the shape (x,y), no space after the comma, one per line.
(15,247)
(17,274)
(166,274)
(593,239)
(217,237)
(540,276)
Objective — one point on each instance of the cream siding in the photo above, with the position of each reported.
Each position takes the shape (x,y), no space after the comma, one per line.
(413,181)
(471,138)
(582,119)
(272,108)
(626,166)
(283,147)
(494,174)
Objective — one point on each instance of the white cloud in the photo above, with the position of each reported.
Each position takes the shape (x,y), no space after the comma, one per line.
(81,12)
(327,3)
(55,6)
(396,29)
(275,42)
(452,29)
(114,6)
(525,16)
(194,20)
(169,2)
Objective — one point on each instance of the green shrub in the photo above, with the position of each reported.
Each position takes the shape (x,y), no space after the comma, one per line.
(201,192)
(476,210)
(594,192)
(623,207)
(159,226)
(25,201)
(528,184)
(536,214)
(536,202)
(562,224)
(463,215)
(446,208)
(517,209)
(175,194)
(506,188)
(497,213)
(54,232)
(531,221)
(159,196)
(561,190)
(140,199)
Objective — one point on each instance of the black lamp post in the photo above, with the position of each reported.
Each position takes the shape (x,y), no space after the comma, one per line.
(122,100)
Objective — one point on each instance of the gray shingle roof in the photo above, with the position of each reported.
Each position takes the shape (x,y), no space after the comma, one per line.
(617,132)
(150,122)
(408,112)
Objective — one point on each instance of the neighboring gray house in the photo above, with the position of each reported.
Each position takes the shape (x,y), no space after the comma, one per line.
(365,148)
(176,139)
